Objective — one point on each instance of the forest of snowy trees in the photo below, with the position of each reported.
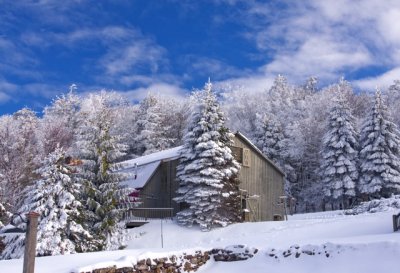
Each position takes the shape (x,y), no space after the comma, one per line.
(63,162)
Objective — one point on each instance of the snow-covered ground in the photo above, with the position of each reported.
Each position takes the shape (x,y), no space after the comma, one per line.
(356,243)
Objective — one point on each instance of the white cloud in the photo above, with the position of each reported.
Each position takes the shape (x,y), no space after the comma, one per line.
(210,67)
(321,57)
(326,38)
(124,49)
(382,81)
(254,83)
(4,97)
(163,89)
(6,90)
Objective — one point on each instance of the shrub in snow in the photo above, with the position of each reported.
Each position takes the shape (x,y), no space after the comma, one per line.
(379,155)
(295,251)
(377,205)
(339,154)
(207,172)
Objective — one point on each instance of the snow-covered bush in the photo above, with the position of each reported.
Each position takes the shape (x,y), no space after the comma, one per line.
(377,205)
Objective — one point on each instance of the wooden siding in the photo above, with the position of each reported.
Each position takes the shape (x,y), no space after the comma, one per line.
(260,178)
(263,180)
(160,190)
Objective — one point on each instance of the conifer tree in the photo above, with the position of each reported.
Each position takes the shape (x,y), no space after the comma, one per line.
(269,137)
(339,154)
(151,127)
(379,155)
(53,196)
(207,172)
(100,149)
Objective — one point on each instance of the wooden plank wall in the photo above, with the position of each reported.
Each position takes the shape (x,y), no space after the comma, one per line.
(261,179)
(161,189)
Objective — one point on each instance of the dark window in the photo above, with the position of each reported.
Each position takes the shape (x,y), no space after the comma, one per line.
(237,153)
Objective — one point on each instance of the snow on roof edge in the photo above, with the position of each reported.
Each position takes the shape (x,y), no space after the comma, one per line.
(157,156)
(261,153)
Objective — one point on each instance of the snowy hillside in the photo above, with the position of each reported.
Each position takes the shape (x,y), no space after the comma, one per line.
(354,243)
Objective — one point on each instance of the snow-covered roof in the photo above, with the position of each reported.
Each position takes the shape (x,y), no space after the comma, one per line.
(158,156)
(138,176)
(141,169)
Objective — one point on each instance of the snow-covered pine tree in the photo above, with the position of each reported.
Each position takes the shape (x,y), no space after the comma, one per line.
(59,123)
(53,196)
(393,101)
(379,155)
(150,128)
(4,215)
(310,87)
(339,153)
(100,149)
(269,137)
(207,172)
(281,97)
(271,140)
(18,150)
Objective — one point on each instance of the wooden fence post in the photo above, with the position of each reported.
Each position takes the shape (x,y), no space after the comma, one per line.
(30,242)
(396,221)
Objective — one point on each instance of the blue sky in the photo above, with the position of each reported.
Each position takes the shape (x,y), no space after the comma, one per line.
(169,47)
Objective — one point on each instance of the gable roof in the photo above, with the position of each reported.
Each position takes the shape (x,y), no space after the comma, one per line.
(137,177)
(172,153)
(258,151)
(141,169)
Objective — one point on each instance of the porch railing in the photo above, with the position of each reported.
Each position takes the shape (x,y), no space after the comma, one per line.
(146,214)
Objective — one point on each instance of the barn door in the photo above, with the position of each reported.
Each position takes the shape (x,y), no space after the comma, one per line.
(254,208)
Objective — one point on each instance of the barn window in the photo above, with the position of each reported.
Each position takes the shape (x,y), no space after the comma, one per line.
(237,153)
(246,157)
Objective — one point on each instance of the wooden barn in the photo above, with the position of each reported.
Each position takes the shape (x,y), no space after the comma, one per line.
(261,183)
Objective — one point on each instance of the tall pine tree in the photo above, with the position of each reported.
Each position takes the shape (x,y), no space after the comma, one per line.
(207,173)
(379,155)
(339,154)
(100,149)
(53,196)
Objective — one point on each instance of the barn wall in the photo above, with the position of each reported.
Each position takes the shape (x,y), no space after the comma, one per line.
(160,190)
(263,180)
(151,194)
(260,179)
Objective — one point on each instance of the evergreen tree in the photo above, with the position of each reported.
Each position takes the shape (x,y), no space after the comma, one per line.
(151,129)
(4,215)
(58,126)
(310,87)
(393,95)
(18,160)
(339,154)
(379,155)
(53,196)
(100,149)
(207,172)
(269,138)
